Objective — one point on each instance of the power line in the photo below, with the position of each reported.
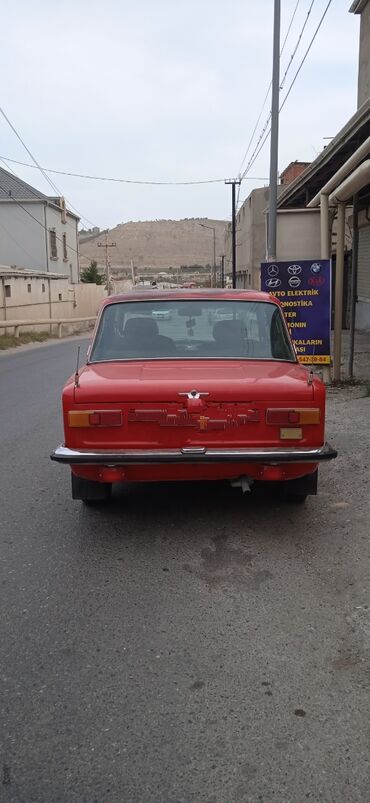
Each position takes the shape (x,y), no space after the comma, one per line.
(306,54)
(267,93)
(127,180)
(42,170)
(297,44)
(257,149)
(257,152)
(46,177)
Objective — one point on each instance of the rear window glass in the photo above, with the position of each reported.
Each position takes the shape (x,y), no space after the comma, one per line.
(191,329)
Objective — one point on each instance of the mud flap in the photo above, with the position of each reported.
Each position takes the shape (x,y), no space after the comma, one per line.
(90,491)
(303,486)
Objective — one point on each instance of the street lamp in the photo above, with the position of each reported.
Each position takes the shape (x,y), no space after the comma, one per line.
(213,271)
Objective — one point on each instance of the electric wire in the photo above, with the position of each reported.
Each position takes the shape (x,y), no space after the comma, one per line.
(268,91)
(127,180)
(42,170)
(264,129)
(258,149)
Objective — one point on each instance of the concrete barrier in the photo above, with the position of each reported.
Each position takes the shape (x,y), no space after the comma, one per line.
(59,322)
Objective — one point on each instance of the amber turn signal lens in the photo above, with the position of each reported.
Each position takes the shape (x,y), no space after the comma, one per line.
(95,418)
(79,418)
(309,416)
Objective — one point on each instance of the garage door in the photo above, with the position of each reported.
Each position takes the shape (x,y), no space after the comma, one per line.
(363,280)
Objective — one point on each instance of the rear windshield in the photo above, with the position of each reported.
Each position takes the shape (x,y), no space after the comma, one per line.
(191,329)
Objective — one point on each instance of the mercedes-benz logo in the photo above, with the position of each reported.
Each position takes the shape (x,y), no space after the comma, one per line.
(273,270)
(273,283)
(294,270)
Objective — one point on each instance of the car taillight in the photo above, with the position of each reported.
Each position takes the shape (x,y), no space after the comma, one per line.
(95,418)
(293,416)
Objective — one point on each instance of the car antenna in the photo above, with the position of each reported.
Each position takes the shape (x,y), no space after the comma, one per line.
(77,378)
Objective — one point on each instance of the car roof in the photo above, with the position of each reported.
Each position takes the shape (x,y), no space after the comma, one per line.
(187,294)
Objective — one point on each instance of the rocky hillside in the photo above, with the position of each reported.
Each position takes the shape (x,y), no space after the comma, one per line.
(158,244)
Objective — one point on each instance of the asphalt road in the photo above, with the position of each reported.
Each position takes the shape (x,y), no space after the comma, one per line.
(186,643)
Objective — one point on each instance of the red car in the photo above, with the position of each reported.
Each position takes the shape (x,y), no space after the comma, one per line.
(186,396)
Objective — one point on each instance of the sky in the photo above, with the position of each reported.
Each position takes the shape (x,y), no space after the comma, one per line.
(166,90)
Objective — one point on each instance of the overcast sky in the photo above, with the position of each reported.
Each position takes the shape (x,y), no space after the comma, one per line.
(165,90)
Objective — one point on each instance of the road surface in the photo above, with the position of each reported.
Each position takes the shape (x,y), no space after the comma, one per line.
(185,643)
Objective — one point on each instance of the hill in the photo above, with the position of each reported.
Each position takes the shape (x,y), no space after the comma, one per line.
(158,244)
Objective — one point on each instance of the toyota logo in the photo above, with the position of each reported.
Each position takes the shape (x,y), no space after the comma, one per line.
(273,270)
(294,270)
(294,281)
(273,283)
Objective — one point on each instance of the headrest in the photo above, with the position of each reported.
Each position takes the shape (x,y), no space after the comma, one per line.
(141,327)
(227,330)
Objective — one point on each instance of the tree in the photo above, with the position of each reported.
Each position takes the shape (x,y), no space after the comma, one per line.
(91,274)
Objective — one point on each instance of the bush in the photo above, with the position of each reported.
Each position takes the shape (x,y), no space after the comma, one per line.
(91,274)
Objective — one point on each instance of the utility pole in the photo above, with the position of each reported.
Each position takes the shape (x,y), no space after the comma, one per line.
(107,245)
(274,145)
(213,269)
(233,182)
(133,273)
(222,270)
(352,325)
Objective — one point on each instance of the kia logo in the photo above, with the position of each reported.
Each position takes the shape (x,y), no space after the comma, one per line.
(294,281)
(294,270)
(316,281)
(273,283)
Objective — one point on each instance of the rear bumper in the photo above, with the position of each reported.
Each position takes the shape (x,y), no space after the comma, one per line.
(125,457)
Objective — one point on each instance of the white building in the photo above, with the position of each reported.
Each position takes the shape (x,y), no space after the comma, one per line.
(37,232)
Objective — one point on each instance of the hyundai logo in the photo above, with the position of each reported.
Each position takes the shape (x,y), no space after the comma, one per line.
(273,270)
(273,283)
(294,270)
(294,281)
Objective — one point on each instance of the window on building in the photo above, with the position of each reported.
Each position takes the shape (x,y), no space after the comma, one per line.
(53,244)
(29,288)
(8,291)
(60,297)
(43,288)
(65,255)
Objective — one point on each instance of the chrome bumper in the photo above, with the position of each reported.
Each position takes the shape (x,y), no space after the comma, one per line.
(125,457)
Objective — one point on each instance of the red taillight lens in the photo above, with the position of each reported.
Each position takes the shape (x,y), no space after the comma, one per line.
(95,418)
(282,417)
(106,418)
(285,417)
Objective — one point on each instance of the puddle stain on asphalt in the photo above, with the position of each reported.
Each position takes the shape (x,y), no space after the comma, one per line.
(223,564)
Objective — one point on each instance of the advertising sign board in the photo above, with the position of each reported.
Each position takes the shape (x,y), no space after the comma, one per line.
(304,290)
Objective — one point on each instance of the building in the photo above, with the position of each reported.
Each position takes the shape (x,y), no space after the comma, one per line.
(292,172)
(344,158)
(37,232)
(363,95)
(363,7)
(298,235)
(250,239)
